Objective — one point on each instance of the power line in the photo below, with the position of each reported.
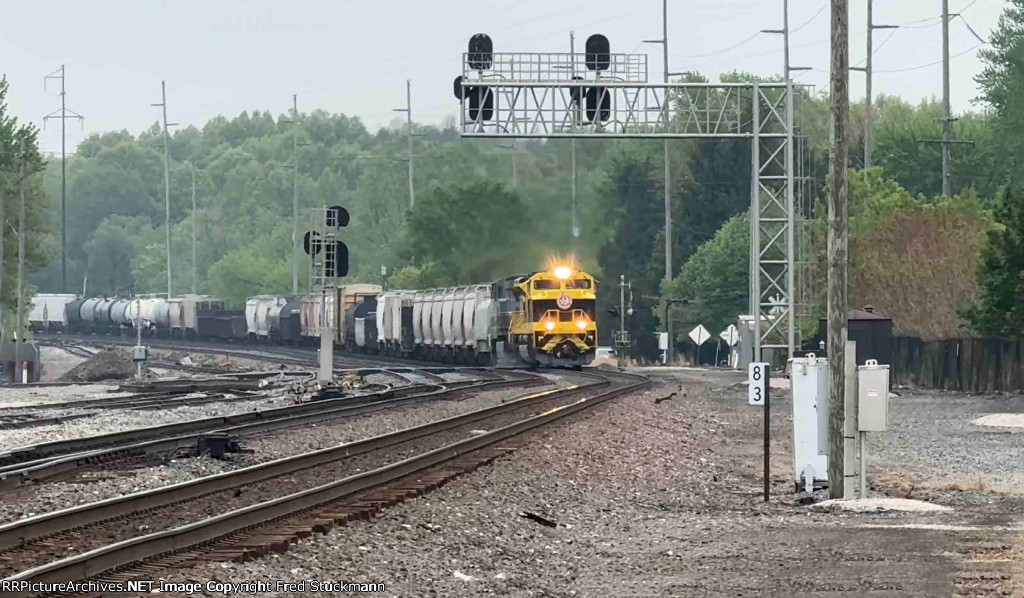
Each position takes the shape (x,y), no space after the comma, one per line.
(808,21)
(922,66)
(730,48)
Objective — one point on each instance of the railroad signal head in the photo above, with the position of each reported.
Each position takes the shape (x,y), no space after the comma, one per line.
(312,243)
(599,104)
(481,103)
(336,260)
(481,50)
(337,217)
(457,88)
(598,57)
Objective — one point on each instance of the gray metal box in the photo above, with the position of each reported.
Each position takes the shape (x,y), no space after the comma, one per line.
(140,353)
(872,397)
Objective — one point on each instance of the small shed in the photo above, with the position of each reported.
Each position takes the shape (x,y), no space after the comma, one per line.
(871,330)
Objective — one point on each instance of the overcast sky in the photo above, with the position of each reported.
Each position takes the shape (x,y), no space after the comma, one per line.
(225,56)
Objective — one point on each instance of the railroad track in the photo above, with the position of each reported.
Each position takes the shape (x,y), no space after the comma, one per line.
(54,460)
(245,513)
(293,355)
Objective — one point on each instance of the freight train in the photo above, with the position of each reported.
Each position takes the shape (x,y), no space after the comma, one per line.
(546,318)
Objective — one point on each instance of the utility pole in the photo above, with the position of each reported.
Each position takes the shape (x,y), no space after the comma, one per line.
(195,270)
(838,228)
(59,74)
(19,335)
(668,173)
(408,137)
(295,194)
(167,181)
(572,147)
(947,120)
(869,116)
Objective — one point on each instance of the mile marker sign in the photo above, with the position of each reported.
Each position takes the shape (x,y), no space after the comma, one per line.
(758,389)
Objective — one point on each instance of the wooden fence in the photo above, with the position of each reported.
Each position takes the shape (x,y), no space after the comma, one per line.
(965,364)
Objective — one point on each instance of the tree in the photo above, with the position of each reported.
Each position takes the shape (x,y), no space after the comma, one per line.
(631,200)
(39,241)
(110,251)
(715,280)
(473,232)
(1000,307)
(1002,87)
(912,257)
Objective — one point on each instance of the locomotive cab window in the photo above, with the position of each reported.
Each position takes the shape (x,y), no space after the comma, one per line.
(546,285)
(577,283)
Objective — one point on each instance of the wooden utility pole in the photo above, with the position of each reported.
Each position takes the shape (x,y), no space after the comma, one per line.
(838,226)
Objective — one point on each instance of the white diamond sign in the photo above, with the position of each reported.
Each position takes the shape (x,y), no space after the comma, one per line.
(730,335)
(700,335)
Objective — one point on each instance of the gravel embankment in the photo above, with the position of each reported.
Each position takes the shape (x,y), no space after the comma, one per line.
(54,496)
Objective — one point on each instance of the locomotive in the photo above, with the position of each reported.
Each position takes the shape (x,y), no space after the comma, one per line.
(546,318)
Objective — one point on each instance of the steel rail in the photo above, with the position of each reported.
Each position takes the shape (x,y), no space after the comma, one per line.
(17,475)
(123,553)
(13,534)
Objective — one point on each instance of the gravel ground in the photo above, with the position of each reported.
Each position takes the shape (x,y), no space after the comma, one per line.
(654,500)
(116,420)
(39,395)
(53,496)
(933,443)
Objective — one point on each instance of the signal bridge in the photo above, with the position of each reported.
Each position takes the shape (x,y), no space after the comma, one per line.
(598,94)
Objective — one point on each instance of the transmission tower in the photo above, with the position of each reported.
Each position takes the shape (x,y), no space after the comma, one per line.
(63,114)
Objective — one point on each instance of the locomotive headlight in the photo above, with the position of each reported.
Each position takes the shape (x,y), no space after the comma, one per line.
(581,324)
(563,272)
(550,325)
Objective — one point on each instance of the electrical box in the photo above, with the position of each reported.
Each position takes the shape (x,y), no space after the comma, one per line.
(809,385)
(140,353)
(872,397)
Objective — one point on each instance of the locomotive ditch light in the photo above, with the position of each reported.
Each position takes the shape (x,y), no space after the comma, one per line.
(549,325)
(581,324)
(563,272)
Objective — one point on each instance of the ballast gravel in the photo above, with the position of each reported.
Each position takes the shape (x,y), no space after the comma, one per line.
(647,499)
(117,420)
(34,500)
(35,396)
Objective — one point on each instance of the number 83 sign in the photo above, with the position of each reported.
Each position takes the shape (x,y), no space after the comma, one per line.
(758,377)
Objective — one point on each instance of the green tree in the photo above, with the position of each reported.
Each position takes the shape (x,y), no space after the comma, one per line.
(715,280)
(39,241)
(110,251)
(631,200)
(1002,87)
(473,232)
(1000,307)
